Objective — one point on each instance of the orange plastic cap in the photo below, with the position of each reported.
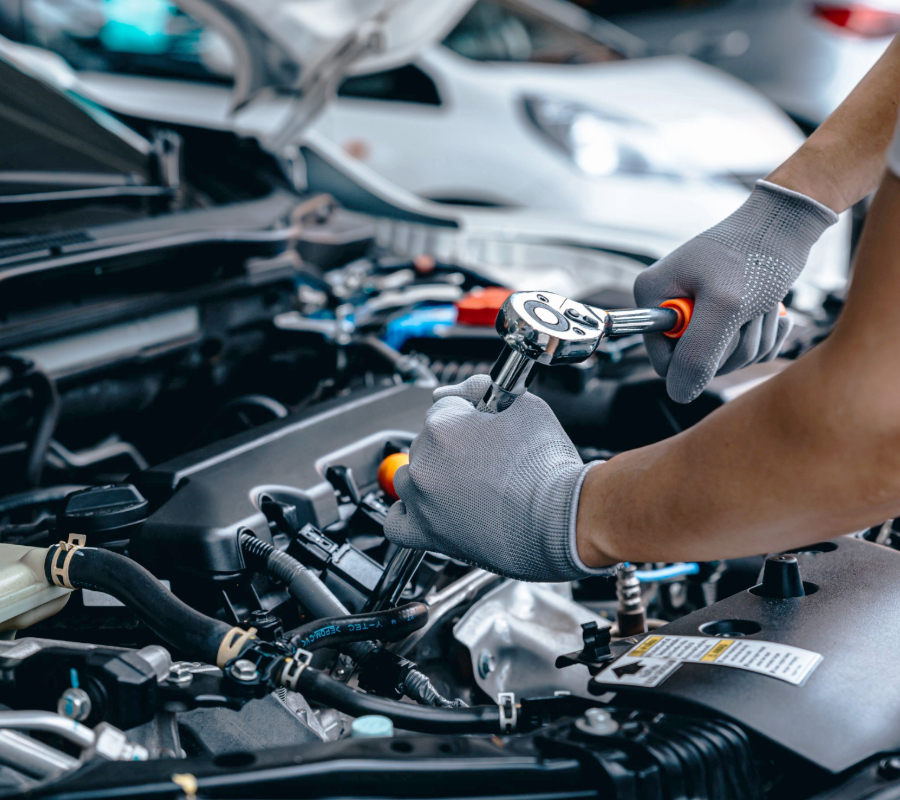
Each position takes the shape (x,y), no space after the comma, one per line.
(684,308)
(386,471)
(480,306)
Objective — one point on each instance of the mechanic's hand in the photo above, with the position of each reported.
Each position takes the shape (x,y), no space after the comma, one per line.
(737,272)
(499,491)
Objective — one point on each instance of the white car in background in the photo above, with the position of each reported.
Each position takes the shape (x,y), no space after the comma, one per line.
(522,105)
(534,103)
(805,56)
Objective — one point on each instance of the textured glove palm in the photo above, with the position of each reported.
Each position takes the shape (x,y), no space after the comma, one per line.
(496,490)
(737,272)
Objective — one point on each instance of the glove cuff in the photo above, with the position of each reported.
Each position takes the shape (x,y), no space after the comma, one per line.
(775,222)
(827,214)
(786,220)
(577,564)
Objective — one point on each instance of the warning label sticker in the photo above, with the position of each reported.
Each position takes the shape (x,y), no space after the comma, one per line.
(651,661)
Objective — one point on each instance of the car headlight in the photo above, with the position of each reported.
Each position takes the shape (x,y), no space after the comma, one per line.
(599,143)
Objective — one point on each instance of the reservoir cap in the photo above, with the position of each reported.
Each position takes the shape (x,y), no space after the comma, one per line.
(372,726)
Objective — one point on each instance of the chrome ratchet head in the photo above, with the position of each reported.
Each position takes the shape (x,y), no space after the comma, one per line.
(542,328)
(548,328)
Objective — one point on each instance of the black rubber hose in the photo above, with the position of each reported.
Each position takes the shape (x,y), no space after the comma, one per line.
(43,390)
(316,685)
(387,626)
(304,586)
(37,497)
(307,588)
(173,621)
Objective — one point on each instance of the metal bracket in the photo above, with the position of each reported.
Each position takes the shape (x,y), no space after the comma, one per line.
(509,714)
(294,668)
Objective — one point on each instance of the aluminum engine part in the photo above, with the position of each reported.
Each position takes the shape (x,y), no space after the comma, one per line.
(515,633)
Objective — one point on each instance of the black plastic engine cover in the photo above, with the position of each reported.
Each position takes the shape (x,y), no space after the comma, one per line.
(848,710)
(211,494)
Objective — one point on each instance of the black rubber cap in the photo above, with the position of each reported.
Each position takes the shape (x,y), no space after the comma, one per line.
(781,578)
(102,510)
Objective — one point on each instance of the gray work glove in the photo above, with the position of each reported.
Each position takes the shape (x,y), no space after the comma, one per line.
(737,272)
(499,491)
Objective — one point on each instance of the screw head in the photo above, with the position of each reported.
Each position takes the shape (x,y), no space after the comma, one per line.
(244,670)
(180,675)
(486,663)
(597,722)
(74,704)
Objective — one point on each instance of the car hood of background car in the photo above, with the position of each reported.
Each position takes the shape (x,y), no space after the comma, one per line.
(711,122)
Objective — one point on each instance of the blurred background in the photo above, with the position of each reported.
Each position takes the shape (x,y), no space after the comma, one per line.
(650,116)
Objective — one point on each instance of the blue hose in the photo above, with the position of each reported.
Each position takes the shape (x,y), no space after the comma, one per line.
(665,573)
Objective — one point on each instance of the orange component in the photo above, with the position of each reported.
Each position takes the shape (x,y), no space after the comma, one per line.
(684,307)
(782,311)
(386,471)
(480,306)
(424,264)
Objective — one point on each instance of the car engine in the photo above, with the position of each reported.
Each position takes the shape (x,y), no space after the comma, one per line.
(198,447)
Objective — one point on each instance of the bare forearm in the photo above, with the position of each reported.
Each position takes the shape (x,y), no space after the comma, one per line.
(812,453)
(767,472)
(843,160)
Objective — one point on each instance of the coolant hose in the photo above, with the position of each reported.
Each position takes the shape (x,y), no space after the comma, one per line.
(303,585)
(316,685)
(388,626)
(173,621)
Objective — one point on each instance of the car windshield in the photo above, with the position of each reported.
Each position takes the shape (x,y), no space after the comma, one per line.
(146,37)
(494,30)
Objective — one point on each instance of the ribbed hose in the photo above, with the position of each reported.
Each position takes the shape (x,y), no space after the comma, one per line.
(316,685)
(173,621)
(304,586)
(389,626)
(418,686)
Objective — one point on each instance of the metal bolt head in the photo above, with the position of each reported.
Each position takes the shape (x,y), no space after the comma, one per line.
(74,704)
(486,663)
(244,670)
(180,674)
(597,722)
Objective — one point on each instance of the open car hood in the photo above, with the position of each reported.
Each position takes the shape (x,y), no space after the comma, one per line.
(52,136)
(304,47)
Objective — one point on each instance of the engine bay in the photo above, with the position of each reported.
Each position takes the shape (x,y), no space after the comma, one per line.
(197,449)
